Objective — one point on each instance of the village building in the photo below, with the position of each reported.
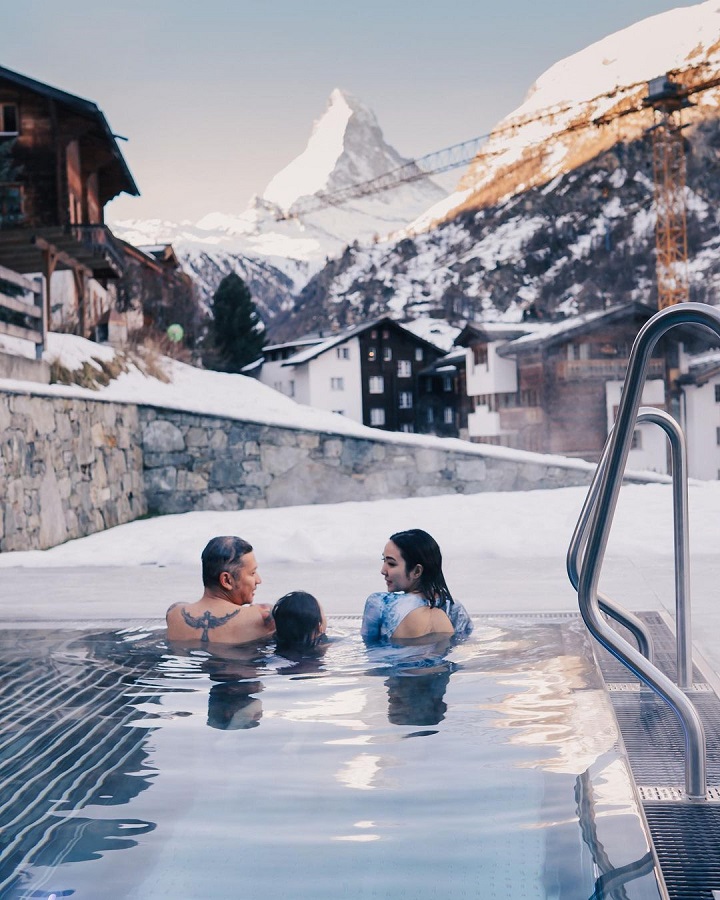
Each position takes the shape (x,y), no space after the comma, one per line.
(555,387)
(442,397)
(368,372)
(60,164)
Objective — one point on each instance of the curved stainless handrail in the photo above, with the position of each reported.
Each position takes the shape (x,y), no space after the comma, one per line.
(681,537)
(604,509)
(577,542)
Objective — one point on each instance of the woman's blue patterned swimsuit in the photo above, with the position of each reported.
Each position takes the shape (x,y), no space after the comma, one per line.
(384,612)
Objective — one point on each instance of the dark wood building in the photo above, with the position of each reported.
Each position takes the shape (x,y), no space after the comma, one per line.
(59,166)
(442,397)
(392,358)
(555,387)
(368,372)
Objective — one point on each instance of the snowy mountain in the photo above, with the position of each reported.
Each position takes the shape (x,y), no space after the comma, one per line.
(286,234)
(557,211)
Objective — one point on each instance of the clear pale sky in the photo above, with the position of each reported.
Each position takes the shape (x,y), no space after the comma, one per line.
(215,97)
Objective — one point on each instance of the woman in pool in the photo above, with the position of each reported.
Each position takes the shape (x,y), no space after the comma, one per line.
(417,602)
(299,622)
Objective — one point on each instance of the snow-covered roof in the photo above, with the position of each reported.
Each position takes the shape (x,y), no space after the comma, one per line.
(550,332)
(299,342)
(700,369)
(492,332)
(343,336)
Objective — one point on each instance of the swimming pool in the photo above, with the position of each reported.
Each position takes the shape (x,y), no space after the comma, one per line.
(490,769)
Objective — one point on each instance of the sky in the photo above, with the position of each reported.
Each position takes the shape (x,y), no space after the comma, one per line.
(215,98)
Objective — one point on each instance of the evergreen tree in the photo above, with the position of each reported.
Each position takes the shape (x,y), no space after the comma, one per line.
(236,333)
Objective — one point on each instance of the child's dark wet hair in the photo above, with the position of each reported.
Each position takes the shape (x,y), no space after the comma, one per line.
(298,621)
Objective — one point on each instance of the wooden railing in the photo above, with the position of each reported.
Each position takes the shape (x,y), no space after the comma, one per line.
(22,312)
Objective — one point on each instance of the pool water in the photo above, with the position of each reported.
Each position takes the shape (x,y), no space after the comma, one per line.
(489,769)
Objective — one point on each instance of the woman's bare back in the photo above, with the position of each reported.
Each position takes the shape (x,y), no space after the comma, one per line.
(423,621)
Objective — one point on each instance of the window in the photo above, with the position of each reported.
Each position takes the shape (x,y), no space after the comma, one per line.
(387,354)
(717,435)
(717,393)
(372,354)
(377,416)
(343,353)
(447,383)
(480,355)
(291,389)
(376,384)
(404,368)
(10,204)
(405,399)
(407,428)
(9,118)
(385,334)
(448,415)
(430,415)
(337,384)
(418,354)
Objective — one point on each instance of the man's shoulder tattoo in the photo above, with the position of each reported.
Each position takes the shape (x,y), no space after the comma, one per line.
(207,621)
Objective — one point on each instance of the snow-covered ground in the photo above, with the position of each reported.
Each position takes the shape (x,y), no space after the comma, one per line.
(509,526)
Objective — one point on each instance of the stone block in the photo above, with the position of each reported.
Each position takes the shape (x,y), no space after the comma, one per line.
(471,469)
(427,460)
(52,514)
(161,436)
(196,437)
(279,460)
(218,440)
(226,473)
(332,448)
(159,480)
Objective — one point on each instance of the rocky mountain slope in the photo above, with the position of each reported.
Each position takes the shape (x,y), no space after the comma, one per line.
(557,210)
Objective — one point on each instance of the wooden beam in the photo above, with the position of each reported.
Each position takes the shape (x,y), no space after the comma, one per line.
(14,278)
(20,306)
(20,332)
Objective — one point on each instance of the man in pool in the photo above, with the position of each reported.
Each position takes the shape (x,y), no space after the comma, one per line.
(225,613)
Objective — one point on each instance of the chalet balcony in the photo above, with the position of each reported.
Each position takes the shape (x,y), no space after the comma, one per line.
(602,369)
(519,417)
(94,247)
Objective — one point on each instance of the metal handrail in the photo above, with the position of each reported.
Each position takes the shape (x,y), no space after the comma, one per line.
(635,625)
(603,512)
(681,537)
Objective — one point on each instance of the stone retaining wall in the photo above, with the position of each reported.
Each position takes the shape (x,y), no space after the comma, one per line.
(70,467)
(206,462)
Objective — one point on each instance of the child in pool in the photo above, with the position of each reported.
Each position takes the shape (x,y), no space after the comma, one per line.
(300,623)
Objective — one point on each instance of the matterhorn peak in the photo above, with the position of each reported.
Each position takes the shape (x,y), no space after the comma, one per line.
(346,147)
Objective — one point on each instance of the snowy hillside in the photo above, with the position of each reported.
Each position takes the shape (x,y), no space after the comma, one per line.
(547,135)
(274,244)
(555,213)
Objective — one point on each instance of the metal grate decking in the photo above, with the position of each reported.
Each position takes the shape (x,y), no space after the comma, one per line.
(686,834)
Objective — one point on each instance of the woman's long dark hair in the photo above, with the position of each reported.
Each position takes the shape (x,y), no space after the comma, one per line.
(298,618)
(420,548)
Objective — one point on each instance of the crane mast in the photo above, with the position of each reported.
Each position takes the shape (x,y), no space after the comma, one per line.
(668,151)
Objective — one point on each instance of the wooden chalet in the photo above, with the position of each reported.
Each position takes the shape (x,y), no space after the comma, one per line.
(555,387)
(59,165)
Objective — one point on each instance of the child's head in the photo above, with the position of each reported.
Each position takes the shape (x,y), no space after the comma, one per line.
(299,621)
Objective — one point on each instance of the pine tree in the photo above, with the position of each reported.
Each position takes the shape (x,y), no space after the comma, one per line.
(236,333)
